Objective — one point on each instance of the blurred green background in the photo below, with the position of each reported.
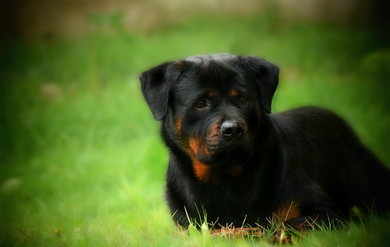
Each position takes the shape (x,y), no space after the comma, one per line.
(81,160)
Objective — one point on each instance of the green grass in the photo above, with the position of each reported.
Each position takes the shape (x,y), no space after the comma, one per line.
(81,160)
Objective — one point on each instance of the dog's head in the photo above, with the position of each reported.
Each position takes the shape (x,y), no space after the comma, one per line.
(211,107)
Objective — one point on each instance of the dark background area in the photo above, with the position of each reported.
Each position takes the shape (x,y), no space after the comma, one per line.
(48,19)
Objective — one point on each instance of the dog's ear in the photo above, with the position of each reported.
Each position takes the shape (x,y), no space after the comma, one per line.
(267,78)
(155,86)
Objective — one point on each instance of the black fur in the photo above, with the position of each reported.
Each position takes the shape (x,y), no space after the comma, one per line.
(231,159)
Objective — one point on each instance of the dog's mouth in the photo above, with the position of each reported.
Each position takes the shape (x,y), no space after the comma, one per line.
(220,152)
(215,157)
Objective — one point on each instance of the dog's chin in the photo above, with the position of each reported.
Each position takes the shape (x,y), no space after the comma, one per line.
(226,157)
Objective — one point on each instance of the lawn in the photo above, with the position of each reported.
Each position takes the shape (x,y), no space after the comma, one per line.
(81,159)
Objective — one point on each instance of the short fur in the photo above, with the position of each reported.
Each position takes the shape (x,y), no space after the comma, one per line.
(234,161)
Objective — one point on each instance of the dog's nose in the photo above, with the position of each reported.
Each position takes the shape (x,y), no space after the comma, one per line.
(232,129)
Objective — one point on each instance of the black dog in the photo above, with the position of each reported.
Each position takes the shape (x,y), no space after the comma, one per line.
(235,164)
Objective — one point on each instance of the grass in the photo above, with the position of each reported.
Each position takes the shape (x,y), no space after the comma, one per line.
(81,160)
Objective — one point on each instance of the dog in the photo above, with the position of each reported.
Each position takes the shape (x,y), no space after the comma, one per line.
(234,164)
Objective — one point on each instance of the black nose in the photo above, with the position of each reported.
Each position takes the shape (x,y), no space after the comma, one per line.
(232,129)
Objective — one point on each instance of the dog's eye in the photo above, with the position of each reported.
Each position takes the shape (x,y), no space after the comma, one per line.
(243,100)
(200,103)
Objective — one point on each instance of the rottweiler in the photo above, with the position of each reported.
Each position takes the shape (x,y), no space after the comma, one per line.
(234,164)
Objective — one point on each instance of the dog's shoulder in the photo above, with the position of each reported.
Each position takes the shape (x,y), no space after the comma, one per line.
(313,122)
(306,113)
(309,118)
